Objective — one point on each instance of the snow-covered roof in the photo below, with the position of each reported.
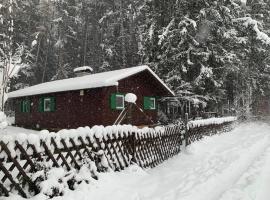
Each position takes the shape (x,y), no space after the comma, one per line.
(97,80)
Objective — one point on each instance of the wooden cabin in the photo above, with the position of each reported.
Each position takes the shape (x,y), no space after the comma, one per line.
(95,99)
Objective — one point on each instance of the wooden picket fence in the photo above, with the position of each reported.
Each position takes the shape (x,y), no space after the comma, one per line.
(147,148)
(198,132)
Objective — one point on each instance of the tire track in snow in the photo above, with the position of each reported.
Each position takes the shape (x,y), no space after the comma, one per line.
(213,188)
(207,163)
(264,182)
(249,183)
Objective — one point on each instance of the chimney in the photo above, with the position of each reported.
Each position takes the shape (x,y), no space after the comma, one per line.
(82,71)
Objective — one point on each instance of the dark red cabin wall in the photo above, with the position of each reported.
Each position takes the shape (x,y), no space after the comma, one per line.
(42,119)
(72,110)
(87,110)
(141,84)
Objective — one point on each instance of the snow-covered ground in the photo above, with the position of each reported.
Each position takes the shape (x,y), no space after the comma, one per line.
(13,130)
(231,166)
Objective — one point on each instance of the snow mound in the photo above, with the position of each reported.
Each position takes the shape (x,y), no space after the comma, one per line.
(3,121)
(53,182)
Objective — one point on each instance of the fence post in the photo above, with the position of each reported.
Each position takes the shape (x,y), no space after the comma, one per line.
(186,129)
(134,147)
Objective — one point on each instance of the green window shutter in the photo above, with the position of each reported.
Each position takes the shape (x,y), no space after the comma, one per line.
(113,101)
(52,104)
(148,103)
(21,105)
(41,105)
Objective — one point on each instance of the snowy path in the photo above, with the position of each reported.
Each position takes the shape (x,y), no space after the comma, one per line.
(232,166)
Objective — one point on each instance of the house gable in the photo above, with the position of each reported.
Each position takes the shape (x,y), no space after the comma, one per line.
(142,85)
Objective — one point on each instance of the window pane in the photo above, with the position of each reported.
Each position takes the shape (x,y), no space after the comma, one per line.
(152,103)
(47,104)
(119,101)
(27,106)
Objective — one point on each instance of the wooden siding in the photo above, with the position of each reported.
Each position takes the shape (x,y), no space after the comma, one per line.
(72,110)
(93,108)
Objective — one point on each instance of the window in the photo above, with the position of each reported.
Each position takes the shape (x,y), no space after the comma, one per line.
(117,101)
(47,104)
(25,106)
(120,101)
(149,103)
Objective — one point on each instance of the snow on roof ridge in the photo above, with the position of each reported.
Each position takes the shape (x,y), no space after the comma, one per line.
(103,79)
(83,68)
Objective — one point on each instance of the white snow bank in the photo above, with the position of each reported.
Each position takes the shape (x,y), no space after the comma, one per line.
(13,130)
(214,120)
(54,182)
(3,121)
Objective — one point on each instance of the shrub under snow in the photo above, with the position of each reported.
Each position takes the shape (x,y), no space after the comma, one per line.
(57,181)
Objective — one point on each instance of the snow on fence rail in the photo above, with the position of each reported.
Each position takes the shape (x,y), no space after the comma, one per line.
(112,147)
(197,129)
(210,121)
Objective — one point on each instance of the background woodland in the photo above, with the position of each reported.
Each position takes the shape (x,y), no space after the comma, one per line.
(206,51)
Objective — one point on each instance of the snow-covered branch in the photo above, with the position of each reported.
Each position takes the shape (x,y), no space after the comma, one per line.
(254,24)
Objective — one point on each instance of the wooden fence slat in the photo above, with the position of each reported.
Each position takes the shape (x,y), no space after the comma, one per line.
(122,153)
(19,167)
(50,155)
(115,152)
(73,160)
(10,178)
(4,190)
(77,149)
(85,148)
(24,153)
(109,154)
(64,162)
(35,152)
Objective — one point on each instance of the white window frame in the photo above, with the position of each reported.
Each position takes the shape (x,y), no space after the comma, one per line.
(123,101)
(153,99)
(44,104)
